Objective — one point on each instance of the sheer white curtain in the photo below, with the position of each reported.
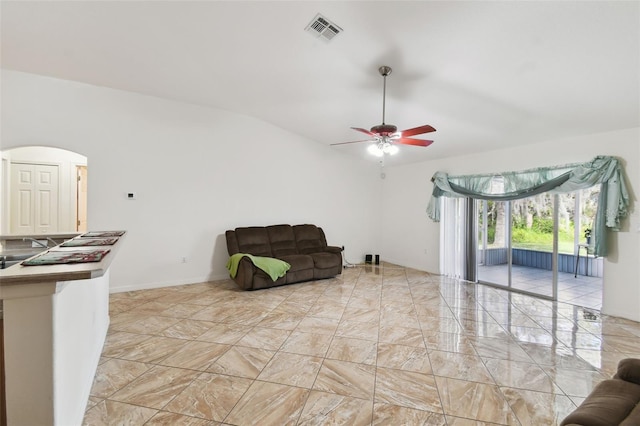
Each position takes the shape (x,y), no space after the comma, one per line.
(453,237)
(458,238)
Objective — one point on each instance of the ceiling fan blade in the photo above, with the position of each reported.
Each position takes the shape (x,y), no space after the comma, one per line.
(364,131)
(417,131)
(413,141)
(344,143)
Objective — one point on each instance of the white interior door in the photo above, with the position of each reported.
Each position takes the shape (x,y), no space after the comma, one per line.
(34,198)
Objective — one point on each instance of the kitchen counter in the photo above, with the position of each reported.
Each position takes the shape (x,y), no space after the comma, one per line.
(55,324)
(18,274)
(16,248)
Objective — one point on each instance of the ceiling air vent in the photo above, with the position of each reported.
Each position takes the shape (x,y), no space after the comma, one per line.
(323,28)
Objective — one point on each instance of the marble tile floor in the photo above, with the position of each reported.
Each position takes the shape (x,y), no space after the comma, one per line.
(375,346)
(582,290)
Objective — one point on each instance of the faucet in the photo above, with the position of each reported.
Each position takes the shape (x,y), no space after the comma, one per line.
(33,240)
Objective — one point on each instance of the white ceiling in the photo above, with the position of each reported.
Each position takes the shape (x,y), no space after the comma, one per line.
(486,75)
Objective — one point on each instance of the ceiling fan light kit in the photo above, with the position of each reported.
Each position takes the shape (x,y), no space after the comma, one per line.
(382,148)
(385,137)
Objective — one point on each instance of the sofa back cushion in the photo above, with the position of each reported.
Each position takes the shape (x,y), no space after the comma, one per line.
(629,370)
(282,240)
(309,239)
(253,240)
(232,242)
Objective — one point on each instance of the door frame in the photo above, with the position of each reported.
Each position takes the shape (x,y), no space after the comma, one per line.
(81,200)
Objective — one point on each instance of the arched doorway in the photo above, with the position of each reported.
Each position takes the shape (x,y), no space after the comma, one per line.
(41,191)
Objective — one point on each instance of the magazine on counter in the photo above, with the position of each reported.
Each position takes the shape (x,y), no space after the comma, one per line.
(65,257)
(102,234)
(82,242)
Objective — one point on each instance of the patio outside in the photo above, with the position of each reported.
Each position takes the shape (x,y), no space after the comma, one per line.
(582,290)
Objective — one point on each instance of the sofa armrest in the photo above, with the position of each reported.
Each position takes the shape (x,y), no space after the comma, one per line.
(629,370)
(246,271)
(333,249)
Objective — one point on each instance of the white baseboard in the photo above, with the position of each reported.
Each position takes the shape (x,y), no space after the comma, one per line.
(633,316)
(147,286)
(404,264)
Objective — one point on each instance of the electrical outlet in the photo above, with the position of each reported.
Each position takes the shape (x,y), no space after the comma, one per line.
(184,260)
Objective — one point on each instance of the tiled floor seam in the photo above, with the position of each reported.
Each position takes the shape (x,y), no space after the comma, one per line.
(426,346)
(375,370)
(324,358)
(515,415)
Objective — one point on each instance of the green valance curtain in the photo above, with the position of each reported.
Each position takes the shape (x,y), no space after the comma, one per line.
(606,171)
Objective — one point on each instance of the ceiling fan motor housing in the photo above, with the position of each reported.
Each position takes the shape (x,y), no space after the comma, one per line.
(384,129)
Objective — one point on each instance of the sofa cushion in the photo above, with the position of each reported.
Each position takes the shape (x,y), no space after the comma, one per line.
(301,268)
(309,239)
(325,260)
(262,280)
(610,402)
(299,276)
(633,419)
(253,240)
(298,262)
(282,240)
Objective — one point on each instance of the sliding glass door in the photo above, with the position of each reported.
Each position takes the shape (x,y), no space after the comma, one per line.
(517,244)
(535,245)
(549,244)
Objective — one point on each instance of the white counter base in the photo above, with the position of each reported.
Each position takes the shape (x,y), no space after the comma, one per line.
(54,334)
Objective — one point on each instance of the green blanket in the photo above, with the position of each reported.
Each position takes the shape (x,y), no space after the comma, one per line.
(275,268)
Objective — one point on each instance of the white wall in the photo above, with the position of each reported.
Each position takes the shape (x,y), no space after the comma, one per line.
(410,238)
(196,171)
(199,171)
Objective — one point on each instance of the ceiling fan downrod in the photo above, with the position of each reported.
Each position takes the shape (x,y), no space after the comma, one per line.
(384,72)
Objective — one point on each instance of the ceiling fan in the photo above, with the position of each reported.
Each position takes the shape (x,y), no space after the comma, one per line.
(386,136)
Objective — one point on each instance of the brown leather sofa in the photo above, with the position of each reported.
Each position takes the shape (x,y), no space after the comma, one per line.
(304,247)
(612,402)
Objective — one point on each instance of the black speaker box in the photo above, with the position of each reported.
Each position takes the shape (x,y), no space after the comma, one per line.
(368,258)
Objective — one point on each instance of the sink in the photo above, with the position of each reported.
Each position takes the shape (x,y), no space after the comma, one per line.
(11,257)
(7,263)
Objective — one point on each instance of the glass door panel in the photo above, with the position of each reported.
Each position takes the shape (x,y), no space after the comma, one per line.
(516,244)
(493,242)
(580,282)
(532,253)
